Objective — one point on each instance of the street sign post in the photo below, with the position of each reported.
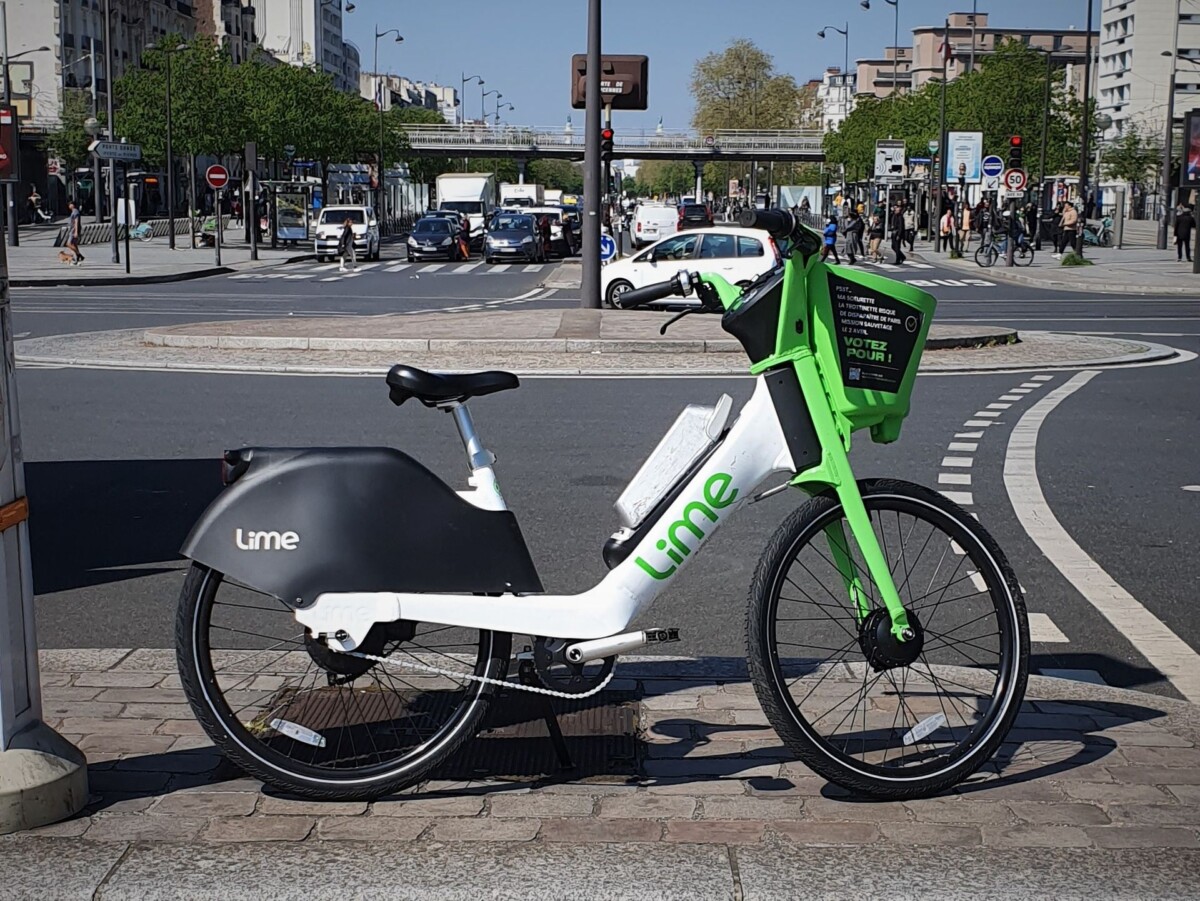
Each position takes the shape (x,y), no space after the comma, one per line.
(217,176)
(1014,180)
(608,248)
(992,165)
(115,150)
(889,161)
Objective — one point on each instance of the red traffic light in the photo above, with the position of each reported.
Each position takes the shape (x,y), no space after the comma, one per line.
(1015,141)
(606,134)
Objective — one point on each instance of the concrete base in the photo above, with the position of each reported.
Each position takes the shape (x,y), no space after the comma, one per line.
(43,779)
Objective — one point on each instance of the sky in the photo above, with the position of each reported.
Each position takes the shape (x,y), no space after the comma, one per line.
(524,49)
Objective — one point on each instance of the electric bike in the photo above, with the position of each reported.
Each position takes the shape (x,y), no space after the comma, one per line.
(348,617)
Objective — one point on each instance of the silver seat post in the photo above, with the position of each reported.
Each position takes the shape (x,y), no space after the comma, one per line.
(477,455)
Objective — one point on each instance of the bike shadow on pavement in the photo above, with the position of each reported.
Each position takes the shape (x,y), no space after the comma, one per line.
(94,522)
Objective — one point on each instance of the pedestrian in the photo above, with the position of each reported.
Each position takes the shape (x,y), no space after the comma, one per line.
(830,246)
(946,228)
(854,237)
(346,245)
(805,207)
(898,231)
(875,235)
(1184,223)
(964,229)
(235,211)
(1070,222)
(910,226)
(74,227)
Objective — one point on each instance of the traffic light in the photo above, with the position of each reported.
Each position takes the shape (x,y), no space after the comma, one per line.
(606,144)
(1014,152)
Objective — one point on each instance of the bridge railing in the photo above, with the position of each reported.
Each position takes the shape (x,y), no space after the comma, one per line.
(449,137)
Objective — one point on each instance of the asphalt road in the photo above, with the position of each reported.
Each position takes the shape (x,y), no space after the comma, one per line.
(121,463)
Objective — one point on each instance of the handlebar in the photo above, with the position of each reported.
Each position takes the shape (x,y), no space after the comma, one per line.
(650,293)
(779,223)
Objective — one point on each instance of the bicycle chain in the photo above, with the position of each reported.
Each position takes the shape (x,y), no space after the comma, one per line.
(486,680)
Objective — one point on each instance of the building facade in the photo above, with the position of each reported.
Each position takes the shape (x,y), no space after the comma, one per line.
(398,91)
(231,23)
(892,72)
(1142,44)
(835,96)
(308,33)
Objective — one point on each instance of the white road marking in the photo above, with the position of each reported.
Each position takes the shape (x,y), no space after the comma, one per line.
(1030,385)
(1011,397)
(1042,628)
(1185,487)
(991,414)
(533,267)
(958,462)
(954,478)
(1042,378)
(362,267)
(977,423)
(400,268)
(962,498)
(325,268)
(467,267)
(1165,650)
(1075,675)
(1019,391)
(999,406)
(966,435)
(963,446)
(496,270)
(432,267)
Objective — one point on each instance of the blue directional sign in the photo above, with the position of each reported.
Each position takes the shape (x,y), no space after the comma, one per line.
(993,166)
(608,248)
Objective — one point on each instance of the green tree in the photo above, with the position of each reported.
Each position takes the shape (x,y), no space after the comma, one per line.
(559,174)
(1134,157)
(70,141)
(738,88)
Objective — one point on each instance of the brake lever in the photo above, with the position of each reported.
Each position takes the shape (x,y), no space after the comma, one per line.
(670,322)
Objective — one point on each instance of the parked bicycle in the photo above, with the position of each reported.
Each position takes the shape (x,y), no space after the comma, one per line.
(143,232)
(348,617)
(1099,235)
(995,246)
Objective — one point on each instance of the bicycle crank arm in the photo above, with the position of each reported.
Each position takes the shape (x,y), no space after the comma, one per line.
(584,651)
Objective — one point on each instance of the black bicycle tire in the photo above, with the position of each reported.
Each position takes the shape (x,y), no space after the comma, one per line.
(1023,256)
(329,788)
(765,674)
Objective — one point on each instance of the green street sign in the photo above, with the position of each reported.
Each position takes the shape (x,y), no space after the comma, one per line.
(933,146)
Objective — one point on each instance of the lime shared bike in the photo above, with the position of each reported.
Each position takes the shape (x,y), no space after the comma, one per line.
(348,617)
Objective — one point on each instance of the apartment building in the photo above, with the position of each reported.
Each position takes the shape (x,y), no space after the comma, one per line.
(309,33)
(231,23)
(883,76)
(1142,44)
(398,91)
(835,97)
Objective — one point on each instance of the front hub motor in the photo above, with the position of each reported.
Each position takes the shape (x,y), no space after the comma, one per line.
(884,650)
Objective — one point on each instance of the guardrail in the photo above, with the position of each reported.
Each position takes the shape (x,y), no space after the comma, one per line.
(449,138)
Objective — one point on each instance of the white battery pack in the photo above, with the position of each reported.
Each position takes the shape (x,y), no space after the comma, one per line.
(695,430)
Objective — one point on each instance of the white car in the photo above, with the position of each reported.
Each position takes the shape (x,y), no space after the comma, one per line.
(652,221)
(362,221)
(740,255)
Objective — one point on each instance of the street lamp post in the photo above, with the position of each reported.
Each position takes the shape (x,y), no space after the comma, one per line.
(507,106)
(10,189)
(91,56)
(895,4)
(462,96)
(383,219)
(1085,141)
(845,33)
(112,130)
(483,95)
(167,52)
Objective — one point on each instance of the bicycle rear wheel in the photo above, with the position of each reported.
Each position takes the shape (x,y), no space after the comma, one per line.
(879,717)
(1023,256)
(290,711)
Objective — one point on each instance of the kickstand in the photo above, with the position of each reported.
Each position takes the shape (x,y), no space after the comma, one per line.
(528,676)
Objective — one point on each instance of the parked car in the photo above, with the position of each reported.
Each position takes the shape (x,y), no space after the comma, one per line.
(329,231)
(653,221)
(741,255)
(434,237)
(694,215)
(513,235)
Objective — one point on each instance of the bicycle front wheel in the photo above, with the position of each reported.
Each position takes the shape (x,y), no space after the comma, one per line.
(1023,256)
(888,719)
(986,255)
(320,724)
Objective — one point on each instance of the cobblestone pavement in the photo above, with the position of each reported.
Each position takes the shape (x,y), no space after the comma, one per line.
(1097,788)
(127,349)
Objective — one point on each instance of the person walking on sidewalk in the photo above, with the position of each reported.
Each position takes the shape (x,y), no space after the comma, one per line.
(830,245)
(1066,238)
(854,237)
(910,226)
(897,229)
(1184,223)
(346,245)
(74,227)
(875,235)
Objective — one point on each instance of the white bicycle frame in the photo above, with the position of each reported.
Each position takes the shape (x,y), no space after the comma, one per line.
(754,449)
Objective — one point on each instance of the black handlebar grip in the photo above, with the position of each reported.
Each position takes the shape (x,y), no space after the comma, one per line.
(640,296)
(779,223)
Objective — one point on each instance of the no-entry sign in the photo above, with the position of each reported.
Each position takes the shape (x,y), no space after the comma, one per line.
(217,177)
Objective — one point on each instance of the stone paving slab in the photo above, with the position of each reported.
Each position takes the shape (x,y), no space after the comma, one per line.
(126,349)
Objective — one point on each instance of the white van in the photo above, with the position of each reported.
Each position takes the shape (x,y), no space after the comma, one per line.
(653,221)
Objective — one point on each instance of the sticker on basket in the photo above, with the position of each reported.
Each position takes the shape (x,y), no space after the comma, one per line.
(876,335)
(298,732)
(924,728)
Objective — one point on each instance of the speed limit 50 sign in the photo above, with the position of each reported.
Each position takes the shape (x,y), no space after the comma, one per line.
(1015,179)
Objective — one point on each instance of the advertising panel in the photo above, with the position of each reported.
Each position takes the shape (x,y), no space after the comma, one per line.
(964,156)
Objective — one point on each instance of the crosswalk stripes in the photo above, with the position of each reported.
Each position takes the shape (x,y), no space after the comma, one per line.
(332,272)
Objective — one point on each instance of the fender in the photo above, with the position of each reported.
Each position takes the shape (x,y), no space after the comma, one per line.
(298,522)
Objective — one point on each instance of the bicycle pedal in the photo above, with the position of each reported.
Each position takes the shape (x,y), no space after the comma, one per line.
(661,636)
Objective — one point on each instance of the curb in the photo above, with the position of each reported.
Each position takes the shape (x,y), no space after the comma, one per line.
(1006,275)
(165,278)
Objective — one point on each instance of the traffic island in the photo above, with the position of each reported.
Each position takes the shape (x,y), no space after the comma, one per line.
(562,341)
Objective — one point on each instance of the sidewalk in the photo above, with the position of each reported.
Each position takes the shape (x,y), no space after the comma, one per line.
(35,262)
(1133,270)
(686,794)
